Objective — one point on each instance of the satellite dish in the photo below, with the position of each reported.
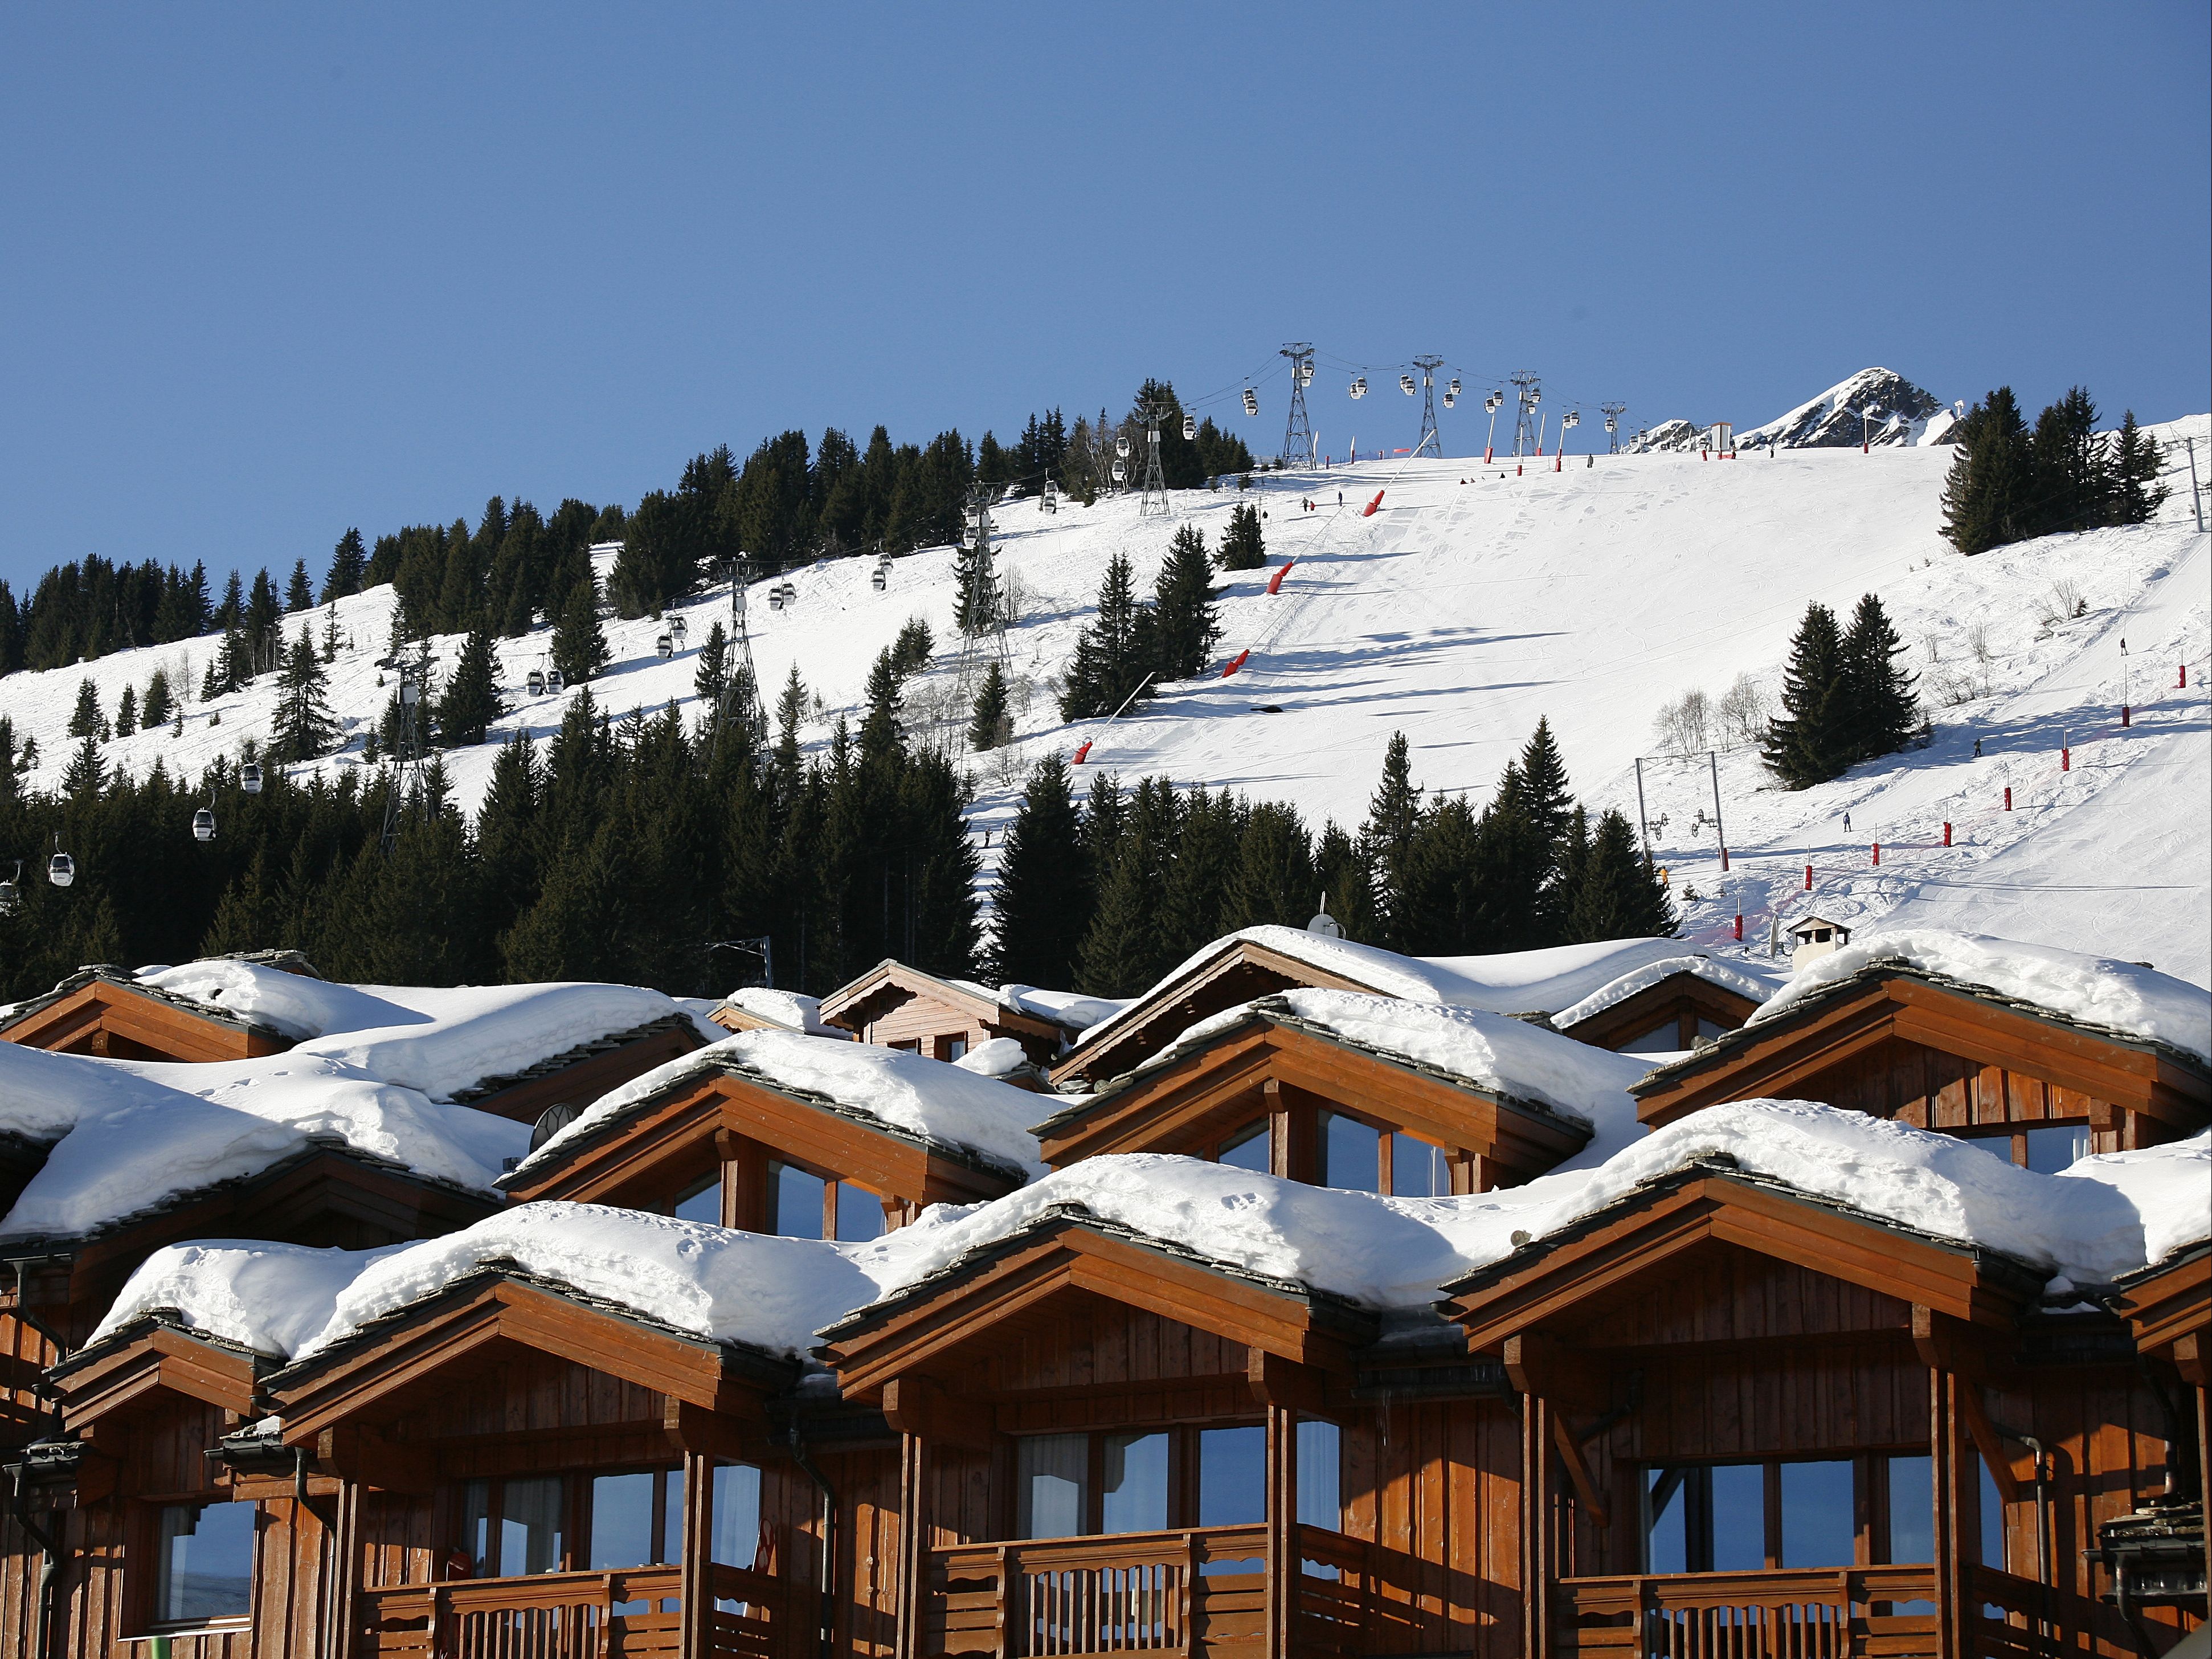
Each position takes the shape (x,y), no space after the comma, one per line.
(552,1121)
(1325,924)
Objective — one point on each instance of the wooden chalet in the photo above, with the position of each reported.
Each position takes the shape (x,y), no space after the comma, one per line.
(1236,970)
(725,1144)
(578,1076)
(329,1194)
(893,1005)
(1109,1445)
(1749,1417)
(1897,1041)
(502,1468)
(1293,1097)
(1677,1012)
(103,1011)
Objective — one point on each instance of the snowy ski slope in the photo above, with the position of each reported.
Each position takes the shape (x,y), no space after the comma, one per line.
(1476,599)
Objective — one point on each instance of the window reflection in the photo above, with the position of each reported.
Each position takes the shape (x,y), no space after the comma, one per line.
(702,1201)
(1818,1527)
(1233,1476)
(1320,1463)
(621,1520)
(1248,1148)
(204,1568)
(794,1202)
(860,1214)
(1052,1476)
(1911,1508)
(530,1527)
(1352,1154)
(1133,1486)
(1417,1167)
(2055,1146)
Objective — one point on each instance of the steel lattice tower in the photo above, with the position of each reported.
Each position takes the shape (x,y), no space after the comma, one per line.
(1613,414)
(1430,441)
(741,699)
(1297,436)
(1155,498)
(1528,390)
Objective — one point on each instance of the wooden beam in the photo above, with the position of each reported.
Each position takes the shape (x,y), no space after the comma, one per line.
(919,1406)
(1570,1454)
(1537,1362)
(692,1429)
(1275,1381)
(1947,1344)
(1987,1441)
(353,1453)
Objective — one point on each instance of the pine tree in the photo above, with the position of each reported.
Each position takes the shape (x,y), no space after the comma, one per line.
(1621,895)
(330,635)
(990,727)
(2137,463)
(1386,840)
(1548,806)
(1185,624)
(86,720)
(233,608)
(86,775)
(790,712)
(1045,897)
(1987,493)
(1438,900)
(879,731)
(1274,882)
(712,676)
(1123,951)
(304,725)
(1244,548)
(473,701)
(299,593)
(1109,663)
(1809,743)
(1880,713)
(126,712)
(154,708)
(2070,486)
(1194,896)
(349,564)
(579,649)
(1347,888)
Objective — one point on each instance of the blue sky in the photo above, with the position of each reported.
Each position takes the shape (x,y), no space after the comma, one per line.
(272,271)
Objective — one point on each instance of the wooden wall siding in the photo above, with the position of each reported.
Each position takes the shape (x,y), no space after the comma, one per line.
(925,1020)
(867,1487)
(529,1393)
(1438,1485)
(1685,999)
(23,1355)
(1092,1343)
(1932,1089)
(589,1078)
(1718,1292)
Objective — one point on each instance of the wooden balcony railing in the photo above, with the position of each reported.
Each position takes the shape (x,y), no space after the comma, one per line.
(2015,1618)
(631,1614)
(1827,1612)
(1198,1591)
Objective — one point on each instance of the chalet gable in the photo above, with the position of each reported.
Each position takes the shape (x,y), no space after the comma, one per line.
(719,1119)
(152,1357)
(896,1006)
(1270,1060)
(1677,1011)
(103,1011)
(585,1071)
(1068,1258)
(1896,1041)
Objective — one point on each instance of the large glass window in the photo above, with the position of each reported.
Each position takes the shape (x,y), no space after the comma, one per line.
(2055,1146)
(203,1565)
(637,1519)
(1797,1512)
(1351,1153)
(529,1527)
(1052,1476)
(1132,1488)
(1911,1508)
(1233,1476)
(1819,1528)
(1418,1169)
(860,1214)
(1320,1463)
(701,1202)
(795,1201)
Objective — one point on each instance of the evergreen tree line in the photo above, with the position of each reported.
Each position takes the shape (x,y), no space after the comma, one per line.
(1133,644)
(1108,892)
(1845,696)
(628,851)
(2008,483)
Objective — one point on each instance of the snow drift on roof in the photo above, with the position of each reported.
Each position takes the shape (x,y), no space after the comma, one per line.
(273,1298)
(1069,1009)
(1512,982)
(2168,1186)
(290,1004)
(793,1008)
(999,1057)
(2120,996)
(926,1097)
(1722,974)
(133,1134)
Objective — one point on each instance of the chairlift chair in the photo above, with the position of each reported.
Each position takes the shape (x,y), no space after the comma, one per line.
(249,775)
(1251,401)
(775,597)
(1190,428)
(1405,384)
(204,825)
(536,681)
(1305,373)
(61,870)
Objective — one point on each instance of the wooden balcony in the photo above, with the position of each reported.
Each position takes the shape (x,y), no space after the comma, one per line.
(1201,1593)
(632,1613)
(1827,1612)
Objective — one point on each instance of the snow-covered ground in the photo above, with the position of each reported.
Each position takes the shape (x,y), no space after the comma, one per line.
(1476,599)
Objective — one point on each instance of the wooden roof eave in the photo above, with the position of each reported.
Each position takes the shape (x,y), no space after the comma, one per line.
(149,1017)
(1646,1229)
(924,1330)
(1633,1014)
(1134,1023)
(148,1359)
(1771,1056)
(372,1376)
(2170,1301)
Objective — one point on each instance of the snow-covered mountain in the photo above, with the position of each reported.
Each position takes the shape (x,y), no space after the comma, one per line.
(1467,605)
(1875,406)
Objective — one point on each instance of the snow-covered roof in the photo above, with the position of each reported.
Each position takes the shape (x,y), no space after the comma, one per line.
(1503,1057)
(1511,982)
(2104,1216)
(793,1009)
(950,1106)
(2122,997)
(129,1136)
(1725,975)
(1071,1011)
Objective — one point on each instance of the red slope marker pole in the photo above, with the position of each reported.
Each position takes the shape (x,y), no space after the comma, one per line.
(2065,758)
(1368,512)
(1877,856)
(2008,797)
(1083,753)
(1808,877)
(1946,832)
(1739,924)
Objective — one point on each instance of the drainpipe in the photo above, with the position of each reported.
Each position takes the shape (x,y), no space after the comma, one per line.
(50,1558)
(828,1634)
